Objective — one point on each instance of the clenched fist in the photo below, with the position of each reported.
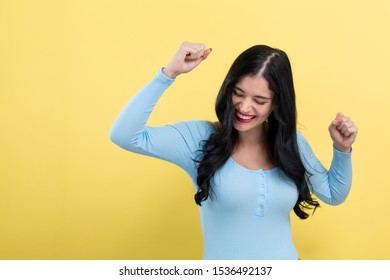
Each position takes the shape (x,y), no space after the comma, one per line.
(343,132)
(186,58)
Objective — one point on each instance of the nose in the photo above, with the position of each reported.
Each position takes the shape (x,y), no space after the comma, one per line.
(245,107)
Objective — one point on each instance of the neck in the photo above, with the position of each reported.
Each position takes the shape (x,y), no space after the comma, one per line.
(254,138)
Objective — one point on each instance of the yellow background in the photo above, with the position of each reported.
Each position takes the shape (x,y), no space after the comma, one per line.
(67,68)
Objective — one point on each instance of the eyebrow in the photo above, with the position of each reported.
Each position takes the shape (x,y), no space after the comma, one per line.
(256,96)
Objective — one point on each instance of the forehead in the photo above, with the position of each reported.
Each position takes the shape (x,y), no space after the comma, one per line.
(254,85)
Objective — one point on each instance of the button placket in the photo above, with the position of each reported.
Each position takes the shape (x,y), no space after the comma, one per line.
(260,203)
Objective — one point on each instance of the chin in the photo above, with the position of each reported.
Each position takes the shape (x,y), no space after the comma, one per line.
(245,127)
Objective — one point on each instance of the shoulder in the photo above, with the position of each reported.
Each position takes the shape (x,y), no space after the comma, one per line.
(300,136)
(301,141)
(303,144)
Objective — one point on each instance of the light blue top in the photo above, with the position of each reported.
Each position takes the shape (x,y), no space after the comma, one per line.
(250,216)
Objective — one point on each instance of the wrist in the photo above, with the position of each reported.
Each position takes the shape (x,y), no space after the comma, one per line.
(342,149)
(168,73)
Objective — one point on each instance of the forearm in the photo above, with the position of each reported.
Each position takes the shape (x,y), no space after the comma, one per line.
(340,176)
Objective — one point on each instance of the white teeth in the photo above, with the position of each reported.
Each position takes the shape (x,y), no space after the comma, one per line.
(243,117)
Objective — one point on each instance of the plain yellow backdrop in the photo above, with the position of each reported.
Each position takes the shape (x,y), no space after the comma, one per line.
(67,68)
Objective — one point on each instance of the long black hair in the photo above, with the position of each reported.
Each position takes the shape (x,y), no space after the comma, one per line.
(274,66)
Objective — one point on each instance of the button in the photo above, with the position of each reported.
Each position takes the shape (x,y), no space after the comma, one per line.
(261,199)
(259,212)
(261,206)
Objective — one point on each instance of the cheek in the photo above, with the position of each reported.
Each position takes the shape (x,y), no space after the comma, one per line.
(270,107)
(267,110)
(234,101)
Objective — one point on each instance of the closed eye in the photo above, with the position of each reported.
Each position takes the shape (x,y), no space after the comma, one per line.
(237,93)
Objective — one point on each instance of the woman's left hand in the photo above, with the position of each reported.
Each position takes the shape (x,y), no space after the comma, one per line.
(343,132)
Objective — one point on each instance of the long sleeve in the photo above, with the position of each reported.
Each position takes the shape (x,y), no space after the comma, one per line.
(176,143)
(333,186)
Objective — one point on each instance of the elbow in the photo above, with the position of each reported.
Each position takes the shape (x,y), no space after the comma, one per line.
(338,199)
(116,138)
(113,135)
(334,197)
(124,140)
(336,202)
(339,190)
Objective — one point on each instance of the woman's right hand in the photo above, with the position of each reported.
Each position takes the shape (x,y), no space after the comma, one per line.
(186,58)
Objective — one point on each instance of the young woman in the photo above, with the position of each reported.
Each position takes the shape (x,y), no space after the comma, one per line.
(252,167)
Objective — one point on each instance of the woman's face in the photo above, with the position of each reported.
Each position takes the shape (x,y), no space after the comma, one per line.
(252,101)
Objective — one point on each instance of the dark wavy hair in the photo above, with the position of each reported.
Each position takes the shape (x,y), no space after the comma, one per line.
(274,66)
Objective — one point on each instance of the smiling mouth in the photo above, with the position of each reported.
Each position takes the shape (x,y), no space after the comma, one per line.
(244,118)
